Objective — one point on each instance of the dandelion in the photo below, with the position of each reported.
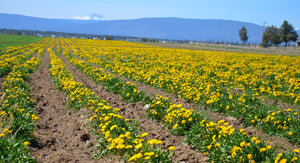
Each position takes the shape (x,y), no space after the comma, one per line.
(149,154)
(120,146)
(113,127)
(3,113)
(249,156)
(294,159)
(296,150)
(144,134)
(172,148)
(257,141)
(217,145)
(283,161)
(253,138)
(7,131)
(209,147)
(26,143)
(128,147)
(242,144)
(263,149)
(175,126)
(92,117)
(138,146)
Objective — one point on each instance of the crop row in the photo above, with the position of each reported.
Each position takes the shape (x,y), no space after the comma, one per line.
(19,56)
(116,134)
(273,75)
(247,106)
(219,140)
(17,117)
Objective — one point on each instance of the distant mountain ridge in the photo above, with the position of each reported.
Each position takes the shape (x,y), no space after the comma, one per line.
(159,28)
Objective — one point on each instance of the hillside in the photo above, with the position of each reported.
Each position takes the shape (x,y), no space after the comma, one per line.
(161,28)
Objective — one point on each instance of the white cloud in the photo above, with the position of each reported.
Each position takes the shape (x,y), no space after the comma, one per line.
(296,28)
(93,16)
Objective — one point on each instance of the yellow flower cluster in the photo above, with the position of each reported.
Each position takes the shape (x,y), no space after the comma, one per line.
(233,83)
(118,136)
(213,137)
(16,108)
(16,56)
(101,76)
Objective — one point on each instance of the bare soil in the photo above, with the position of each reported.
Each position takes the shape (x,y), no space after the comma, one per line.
(280,104)
(62,134)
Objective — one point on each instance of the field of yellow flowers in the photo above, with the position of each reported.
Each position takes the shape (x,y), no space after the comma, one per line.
(261,91)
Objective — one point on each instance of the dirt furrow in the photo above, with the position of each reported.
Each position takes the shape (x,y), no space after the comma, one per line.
(62,134)
(183,153)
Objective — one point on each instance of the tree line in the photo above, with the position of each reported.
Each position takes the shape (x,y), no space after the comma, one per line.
(273,35)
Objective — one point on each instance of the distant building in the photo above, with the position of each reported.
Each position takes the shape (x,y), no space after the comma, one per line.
(298,42)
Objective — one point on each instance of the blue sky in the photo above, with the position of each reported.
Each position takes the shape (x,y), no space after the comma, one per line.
(273,12)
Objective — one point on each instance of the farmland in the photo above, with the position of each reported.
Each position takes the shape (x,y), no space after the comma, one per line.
(91,100)
(16,40)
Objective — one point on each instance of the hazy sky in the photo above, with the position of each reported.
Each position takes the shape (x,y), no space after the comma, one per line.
(273,12)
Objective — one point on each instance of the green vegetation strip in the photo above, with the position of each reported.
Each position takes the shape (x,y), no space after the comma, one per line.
(19,56)
(17,40)
(16,116)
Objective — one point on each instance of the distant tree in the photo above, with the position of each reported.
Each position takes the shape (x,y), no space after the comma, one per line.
(107,37)
(287,33)
(144,39)
(265,40)
(275,39)
(271,36)
(243,35)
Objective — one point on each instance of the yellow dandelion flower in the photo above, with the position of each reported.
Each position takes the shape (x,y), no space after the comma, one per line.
(249,156)
(26,143)
(172,148)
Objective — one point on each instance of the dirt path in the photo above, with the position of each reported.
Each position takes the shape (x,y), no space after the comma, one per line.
(183,153)
(60,131)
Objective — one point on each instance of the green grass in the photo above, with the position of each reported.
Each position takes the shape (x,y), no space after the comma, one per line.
(17,40)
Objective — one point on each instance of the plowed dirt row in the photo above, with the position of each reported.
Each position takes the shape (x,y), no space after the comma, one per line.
(62,134)
(183,153)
